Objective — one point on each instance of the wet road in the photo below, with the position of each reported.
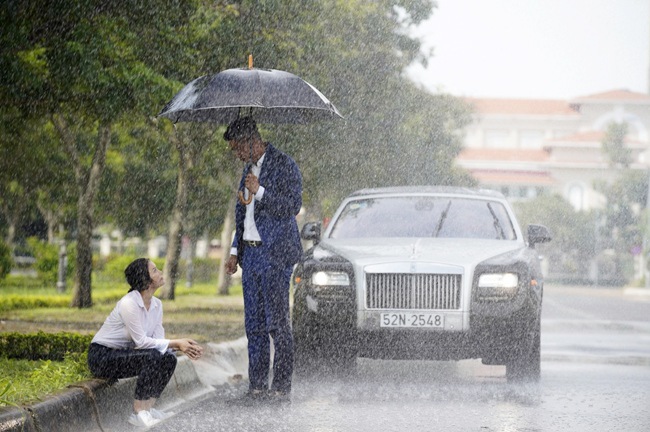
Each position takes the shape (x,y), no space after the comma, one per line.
(595,377)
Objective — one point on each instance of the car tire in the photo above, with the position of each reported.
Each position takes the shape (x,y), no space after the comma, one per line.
(526,365)
(305,356)
(305,343)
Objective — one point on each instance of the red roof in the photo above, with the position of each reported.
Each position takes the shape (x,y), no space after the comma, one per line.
(512,177)
(616,95)
(472,154)
(522,106)
(589,137)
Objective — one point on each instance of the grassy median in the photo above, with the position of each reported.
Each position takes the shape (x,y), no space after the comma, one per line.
(197,312)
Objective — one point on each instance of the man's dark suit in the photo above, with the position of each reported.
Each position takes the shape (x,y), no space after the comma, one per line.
(267,269)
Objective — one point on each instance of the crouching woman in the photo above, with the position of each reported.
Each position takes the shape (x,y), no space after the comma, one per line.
(131,342)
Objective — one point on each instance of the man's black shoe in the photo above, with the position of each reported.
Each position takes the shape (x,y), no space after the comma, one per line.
(279,397)
(250,398)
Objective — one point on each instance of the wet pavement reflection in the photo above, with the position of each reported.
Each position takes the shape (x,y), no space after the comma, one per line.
(424,396)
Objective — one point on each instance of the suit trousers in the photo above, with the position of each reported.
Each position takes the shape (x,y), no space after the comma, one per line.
(266,309)
(153,368)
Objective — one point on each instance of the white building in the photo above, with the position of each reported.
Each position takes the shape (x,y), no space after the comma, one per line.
(524,147)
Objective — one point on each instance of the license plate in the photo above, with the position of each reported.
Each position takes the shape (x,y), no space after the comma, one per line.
(409,319)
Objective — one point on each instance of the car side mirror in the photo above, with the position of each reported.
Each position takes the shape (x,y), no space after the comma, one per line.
(311,231)
(538,234)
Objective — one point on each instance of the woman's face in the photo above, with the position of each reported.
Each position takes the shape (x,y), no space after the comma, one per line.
(156,276)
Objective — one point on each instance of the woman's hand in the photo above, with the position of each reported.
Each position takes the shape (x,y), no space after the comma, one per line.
(189,347)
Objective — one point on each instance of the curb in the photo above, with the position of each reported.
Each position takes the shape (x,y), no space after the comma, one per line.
(637,292)
(96,405)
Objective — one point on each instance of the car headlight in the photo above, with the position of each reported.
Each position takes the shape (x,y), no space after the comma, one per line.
(497,286)
(328,278)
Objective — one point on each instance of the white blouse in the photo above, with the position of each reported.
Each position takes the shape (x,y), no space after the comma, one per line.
(131,325)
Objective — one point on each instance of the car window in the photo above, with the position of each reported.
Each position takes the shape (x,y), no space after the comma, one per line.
(423,217)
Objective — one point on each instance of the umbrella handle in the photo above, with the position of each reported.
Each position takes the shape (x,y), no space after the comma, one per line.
(243,200)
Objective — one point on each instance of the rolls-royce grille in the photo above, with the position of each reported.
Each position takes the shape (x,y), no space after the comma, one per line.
(412,291)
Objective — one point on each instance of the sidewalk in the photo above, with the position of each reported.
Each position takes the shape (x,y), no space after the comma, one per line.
(94,405)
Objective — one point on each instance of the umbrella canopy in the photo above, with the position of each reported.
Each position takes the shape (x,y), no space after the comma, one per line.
(268,95)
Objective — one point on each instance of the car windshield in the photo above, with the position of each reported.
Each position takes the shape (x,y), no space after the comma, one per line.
(423,216)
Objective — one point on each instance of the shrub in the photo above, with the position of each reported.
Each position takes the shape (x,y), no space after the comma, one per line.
(205,269)
(13,302)
(47,259)
(42,346)
(113,268)
(5,260)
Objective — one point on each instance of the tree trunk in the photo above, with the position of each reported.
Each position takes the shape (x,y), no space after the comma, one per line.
(170,271)
(189,275)
(50,217)
(87,185)
(12,206)
(11,234)
(224,280)
(82,292)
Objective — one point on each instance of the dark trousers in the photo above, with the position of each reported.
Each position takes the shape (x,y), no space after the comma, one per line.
(266,309)
(153,369)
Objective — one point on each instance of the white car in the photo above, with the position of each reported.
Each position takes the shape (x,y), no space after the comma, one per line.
(420,273)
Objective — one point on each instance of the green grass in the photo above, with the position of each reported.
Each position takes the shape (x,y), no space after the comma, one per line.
(197,312)
(25,381)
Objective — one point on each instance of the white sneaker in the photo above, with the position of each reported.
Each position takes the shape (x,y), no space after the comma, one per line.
(143,419)
(160,415)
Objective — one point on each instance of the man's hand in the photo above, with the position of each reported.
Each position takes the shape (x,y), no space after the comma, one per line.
(252,183)
(231,264)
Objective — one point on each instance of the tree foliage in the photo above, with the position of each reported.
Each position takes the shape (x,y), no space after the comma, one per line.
(574,233)
(614,145)
(82,79)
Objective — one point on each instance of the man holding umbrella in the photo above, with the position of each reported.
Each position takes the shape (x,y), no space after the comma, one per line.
(266,246)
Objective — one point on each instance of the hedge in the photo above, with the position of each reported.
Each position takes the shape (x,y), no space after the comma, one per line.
(15,301)
(12,302)
(42,346)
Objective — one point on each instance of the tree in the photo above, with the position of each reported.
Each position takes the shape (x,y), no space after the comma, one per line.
(355,52)
(84,66)
(626,197)
(623,226)
(613,145)
(574,243)
(93,71)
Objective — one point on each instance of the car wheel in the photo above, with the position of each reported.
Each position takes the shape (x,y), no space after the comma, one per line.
(526,365)
(341,356)
(305,343)
(305,355)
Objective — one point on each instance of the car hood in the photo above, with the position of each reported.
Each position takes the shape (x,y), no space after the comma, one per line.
(442,251)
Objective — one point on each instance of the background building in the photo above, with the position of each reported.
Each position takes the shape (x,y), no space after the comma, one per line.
(526,147)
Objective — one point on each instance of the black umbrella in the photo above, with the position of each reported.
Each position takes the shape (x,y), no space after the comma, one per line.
(268,95)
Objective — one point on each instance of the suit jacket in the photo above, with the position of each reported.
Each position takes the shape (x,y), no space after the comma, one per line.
(275,214)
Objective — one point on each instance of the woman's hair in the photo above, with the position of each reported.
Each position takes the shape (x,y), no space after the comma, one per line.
(137,274)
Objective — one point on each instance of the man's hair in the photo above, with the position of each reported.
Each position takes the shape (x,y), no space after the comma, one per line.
(242,128)
(137,274)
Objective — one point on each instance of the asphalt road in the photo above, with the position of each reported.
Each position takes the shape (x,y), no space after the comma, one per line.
(595,377)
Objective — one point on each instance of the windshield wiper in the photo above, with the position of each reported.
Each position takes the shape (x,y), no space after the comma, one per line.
(443,216)
(497,225)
